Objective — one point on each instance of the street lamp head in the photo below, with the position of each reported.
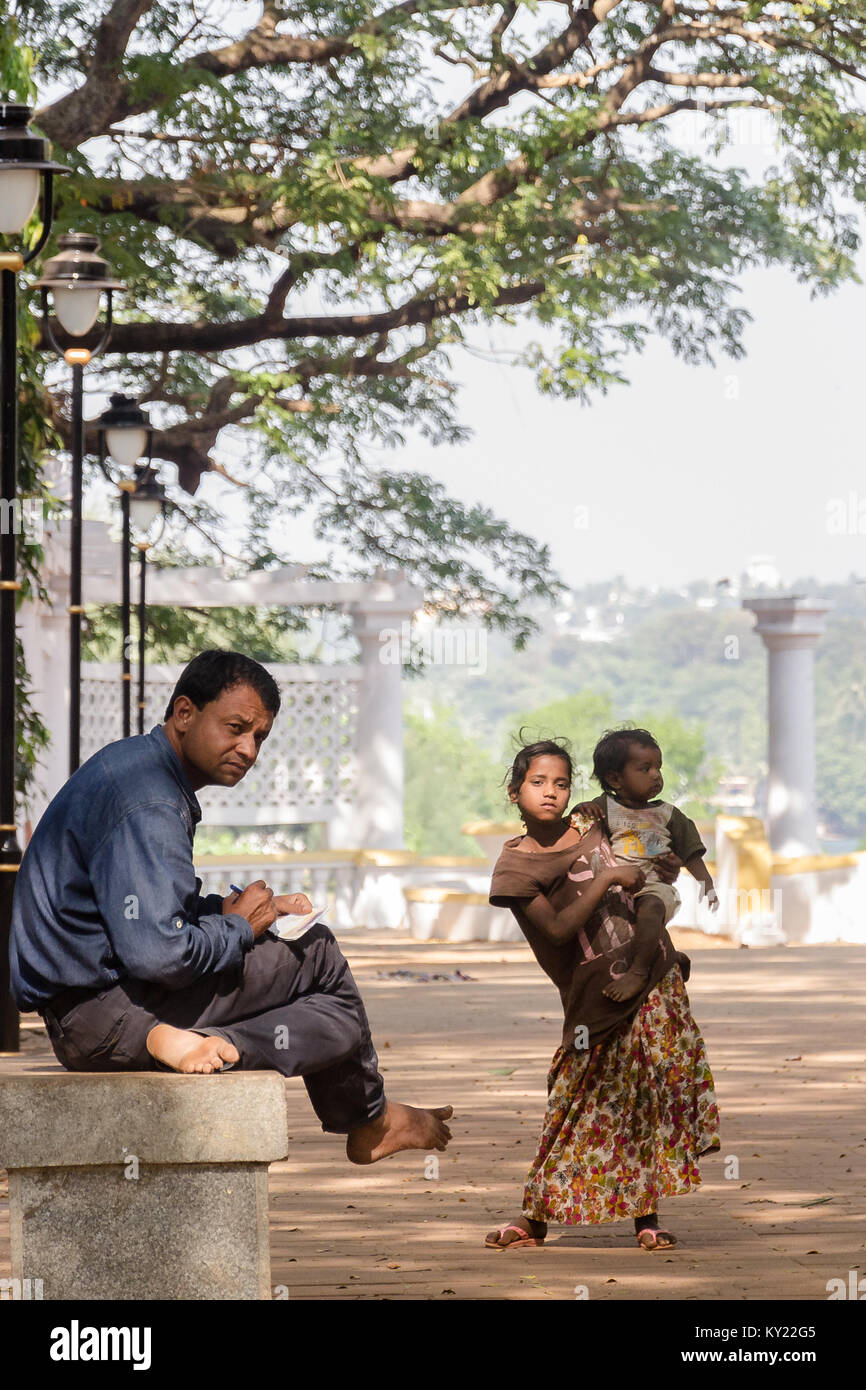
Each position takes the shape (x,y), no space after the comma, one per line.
(77,276)
(126,429)
(148,501)
(23,158)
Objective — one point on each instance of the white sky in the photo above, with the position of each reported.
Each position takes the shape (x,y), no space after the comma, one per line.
(689,471)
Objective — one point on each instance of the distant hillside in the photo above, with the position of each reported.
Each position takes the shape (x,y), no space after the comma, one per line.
(692,654)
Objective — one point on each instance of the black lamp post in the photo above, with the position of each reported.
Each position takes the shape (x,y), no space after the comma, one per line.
(146,504)
(77,277)
(126,433)
(24,166)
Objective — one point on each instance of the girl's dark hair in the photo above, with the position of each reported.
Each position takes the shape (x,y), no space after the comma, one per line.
(550,747)
(211,672)
(611,751)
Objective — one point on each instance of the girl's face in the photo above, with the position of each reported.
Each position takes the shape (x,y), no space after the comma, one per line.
(546,789)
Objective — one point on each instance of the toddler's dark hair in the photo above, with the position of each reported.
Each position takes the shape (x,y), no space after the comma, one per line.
(546,747)
(611,751)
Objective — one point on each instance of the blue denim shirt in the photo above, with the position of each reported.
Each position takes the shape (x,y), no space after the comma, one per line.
(107,889)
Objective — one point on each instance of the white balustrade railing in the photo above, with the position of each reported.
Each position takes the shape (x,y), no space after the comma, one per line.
(328,885)
(362,888)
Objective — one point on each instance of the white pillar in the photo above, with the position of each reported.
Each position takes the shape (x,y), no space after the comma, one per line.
(44,629)
(381,622)
(791,627)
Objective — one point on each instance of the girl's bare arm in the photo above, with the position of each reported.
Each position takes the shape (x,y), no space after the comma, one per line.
(561,926)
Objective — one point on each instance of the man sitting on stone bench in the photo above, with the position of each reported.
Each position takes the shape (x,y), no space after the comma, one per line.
(132,969)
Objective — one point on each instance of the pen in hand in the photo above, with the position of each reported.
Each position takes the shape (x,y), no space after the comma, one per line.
(293,904)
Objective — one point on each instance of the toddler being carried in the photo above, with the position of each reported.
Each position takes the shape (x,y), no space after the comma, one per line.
(642,830)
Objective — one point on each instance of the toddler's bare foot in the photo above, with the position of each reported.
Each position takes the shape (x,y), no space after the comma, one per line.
(629,984)
(399,1127)
(186,1051)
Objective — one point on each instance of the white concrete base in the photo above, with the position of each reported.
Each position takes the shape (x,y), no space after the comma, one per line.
(824,905)
(448,915)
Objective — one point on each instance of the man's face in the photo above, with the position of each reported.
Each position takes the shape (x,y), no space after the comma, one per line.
(221,741)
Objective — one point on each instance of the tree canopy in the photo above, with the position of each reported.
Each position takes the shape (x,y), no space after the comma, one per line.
(315,204)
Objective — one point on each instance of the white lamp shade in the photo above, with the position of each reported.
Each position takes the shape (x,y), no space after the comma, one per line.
(126,446)
(77,310)
(19,193)
(143,511)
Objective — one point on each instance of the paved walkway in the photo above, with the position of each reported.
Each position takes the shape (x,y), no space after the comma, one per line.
(780,1212)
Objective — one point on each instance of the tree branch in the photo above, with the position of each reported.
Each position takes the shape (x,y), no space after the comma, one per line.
(497,183)
(498,90)
(701,79)
(91,108)
(221,224)
(224,337)
(106,98)
(114,32)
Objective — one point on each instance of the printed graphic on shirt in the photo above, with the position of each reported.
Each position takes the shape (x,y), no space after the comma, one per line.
(638,834)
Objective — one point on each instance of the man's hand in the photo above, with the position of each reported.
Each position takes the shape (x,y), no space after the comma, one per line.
(256,903)
(710,896)
(292,904)
(668,866)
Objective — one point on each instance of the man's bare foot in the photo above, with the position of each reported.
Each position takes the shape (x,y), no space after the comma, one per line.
(629,984)
(399,1127)
(510,1234)
(183,1050)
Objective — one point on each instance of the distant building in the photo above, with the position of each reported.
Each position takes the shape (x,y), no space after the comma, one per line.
(735,795)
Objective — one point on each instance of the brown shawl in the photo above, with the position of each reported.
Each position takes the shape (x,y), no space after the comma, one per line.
(603,949)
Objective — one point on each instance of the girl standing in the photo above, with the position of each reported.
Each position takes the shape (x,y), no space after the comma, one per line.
(630,1094)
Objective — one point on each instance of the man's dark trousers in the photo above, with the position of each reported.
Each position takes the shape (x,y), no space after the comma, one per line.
(292,1007)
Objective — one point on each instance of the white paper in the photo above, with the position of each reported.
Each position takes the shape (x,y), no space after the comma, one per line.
(290,928)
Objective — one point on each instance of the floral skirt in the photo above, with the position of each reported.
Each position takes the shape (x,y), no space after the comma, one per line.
(626,1124)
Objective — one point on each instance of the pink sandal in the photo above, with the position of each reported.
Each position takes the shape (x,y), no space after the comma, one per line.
(525,1239)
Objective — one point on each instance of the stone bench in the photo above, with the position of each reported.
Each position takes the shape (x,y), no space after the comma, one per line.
(142,1185)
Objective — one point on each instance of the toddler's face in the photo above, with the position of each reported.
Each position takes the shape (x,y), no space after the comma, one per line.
(641,779)
(546,789)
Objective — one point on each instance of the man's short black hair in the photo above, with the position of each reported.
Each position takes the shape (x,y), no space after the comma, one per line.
(211,672)
(612,749)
